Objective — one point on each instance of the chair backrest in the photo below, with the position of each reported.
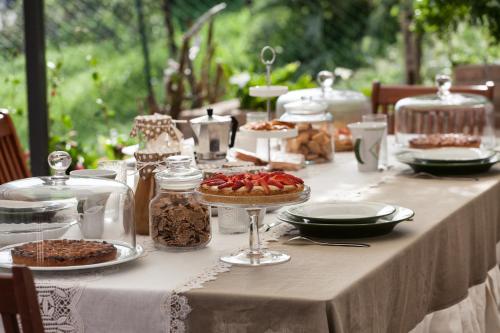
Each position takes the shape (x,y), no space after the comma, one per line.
(12,159)
(19,300)
(384,97)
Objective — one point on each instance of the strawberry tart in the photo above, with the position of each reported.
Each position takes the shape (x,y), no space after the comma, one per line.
(252,188)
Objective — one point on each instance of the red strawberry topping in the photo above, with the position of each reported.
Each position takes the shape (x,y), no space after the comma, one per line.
(237,185)
(263,183)
(277,179)
(248,185)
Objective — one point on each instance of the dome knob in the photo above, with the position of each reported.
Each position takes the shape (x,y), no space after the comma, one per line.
(325,79)
(443,83)
(59,161)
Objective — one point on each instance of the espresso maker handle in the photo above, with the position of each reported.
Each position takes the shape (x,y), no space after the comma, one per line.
(234,128)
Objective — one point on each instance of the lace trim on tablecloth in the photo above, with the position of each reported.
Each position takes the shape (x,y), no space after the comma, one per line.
(176,309)
(57,307)
(58,295)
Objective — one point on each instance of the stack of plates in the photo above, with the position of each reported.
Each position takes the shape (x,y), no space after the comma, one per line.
(450,160)
(345,219)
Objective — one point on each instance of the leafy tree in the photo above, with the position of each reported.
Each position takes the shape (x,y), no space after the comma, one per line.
(443,16)
(326,33)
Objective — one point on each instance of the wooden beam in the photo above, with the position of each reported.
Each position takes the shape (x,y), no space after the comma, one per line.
(36,85)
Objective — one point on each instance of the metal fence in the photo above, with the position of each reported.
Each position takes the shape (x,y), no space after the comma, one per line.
(321,34)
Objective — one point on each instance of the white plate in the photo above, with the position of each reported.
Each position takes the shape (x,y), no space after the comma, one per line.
(342,211)
(268,91)
(453,154)
(277,134)
(124,254)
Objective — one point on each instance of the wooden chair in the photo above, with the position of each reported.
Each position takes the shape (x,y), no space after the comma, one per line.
(19,303)
(384,97)
(12,159)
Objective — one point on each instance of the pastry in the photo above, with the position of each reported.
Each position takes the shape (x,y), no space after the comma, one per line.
(445,140)
(273,125)
(343,141)
(246,156)
(314,143)
(63,252)
(246,188)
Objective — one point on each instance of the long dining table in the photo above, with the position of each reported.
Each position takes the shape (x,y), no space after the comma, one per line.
(423,266)
(426,266)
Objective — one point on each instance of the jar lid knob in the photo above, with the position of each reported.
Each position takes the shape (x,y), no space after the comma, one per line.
(178,161)
(443,83)
(325,79)
(59,161)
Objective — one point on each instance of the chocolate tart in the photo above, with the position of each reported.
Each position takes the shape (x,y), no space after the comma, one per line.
(63,252)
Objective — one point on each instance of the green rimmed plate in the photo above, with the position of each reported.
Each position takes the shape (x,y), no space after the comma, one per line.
(382,226)
(447,168)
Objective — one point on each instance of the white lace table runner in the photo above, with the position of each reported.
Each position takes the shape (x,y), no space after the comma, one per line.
(117,299)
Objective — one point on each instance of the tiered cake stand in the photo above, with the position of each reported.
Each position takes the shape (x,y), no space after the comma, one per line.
(268,91)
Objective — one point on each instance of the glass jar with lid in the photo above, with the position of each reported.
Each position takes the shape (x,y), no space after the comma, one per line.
(66,207)
(315,139)
(346,106)
(444,119)
(177,220)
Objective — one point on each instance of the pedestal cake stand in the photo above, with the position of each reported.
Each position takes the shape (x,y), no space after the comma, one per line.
(254,255)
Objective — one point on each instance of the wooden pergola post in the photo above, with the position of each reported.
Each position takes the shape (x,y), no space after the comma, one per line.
(36,85)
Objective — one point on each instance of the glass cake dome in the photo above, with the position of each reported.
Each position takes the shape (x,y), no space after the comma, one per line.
(66,207)
(445,119)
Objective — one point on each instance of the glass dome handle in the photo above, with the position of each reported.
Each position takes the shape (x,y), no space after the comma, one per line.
(325,79)
(59,161)
(443,83)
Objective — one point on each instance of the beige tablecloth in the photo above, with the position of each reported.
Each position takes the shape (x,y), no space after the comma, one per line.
(425,265)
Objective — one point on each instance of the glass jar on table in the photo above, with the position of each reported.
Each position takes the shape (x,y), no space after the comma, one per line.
(346,106)
(178,222)
(315,139)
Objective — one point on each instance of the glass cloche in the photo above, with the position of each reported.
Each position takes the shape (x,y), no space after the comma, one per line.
(346,106)
(62,207)
(444,119)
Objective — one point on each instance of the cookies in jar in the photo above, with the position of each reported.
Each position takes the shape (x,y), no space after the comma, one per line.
(315,131)
(178,222)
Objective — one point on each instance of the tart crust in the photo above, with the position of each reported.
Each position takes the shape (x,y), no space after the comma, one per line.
(445,140)
(63,252)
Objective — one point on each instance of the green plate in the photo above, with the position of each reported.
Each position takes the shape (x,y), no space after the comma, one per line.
(448,168)
(382,226)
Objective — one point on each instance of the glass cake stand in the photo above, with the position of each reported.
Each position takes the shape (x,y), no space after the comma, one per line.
(254,255)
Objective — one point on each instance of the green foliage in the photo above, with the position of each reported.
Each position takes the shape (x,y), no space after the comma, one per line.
(95,64)
(443,16)
(324,34)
